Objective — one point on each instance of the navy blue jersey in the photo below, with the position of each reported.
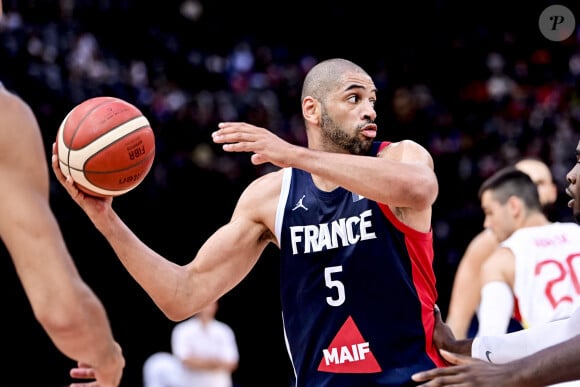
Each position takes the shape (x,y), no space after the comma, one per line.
(357,288)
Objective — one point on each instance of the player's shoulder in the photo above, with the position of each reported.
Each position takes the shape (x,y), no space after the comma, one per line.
(569,231)
(23,167)
(484,239)
(406,150)
(399,146)
(19,130)
(567,224)
(501,259)
(223,326)
(480,247)
(263,190)
(268,182)
(11,103)
(259,201)
(17,116)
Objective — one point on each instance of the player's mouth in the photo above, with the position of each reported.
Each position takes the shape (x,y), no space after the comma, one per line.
(369,130)
(569,193)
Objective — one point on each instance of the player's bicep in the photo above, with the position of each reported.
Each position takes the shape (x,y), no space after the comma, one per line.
(242,239)
(230,253)
(233,250)
(246,234)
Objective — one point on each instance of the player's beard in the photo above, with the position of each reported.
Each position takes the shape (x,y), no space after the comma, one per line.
(333,137)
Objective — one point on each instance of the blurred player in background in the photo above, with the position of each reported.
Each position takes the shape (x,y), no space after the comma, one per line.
(538,356)
(534,263)
(466,291)
(204,354)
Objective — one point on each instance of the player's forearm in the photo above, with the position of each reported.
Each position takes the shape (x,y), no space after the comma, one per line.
(158,276)
(464,297)
(399,184)
(460,311)
(496,308)
(462,347)
(509,347)
(79,327)
(552,365)
(83,334)
(66,308)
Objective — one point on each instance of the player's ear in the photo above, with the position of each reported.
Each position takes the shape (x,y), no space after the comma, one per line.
(516,206)
(311,110)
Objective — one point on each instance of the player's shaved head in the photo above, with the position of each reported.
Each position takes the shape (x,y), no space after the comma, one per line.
(536,169)
(326,75)
(540,174)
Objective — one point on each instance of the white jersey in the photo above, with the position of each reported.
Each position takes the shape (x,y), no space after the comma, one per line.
(547,271)
(216,340)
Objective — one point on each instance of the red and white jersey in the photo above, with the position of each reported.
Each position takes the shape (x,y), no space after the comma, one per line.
(547,271)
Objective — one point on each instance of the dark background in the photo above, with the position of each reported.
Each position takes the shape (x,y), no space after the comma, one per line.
(429,59)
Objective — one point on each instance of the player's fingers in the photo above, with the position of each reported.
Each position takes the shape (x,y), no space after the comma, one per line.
(235,137)
(455,358)
(66,181)
(226,128)
(236,132)
(226,124)
(439,373)
(55,161)
(442,380)
(82,373)
(258,159)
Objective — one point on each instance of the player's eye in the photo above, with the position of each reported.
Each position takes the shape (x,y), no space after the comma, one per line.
(353,98)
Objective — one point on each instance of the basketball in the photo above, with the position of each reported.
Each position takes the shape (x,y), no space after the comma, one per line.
(106,145)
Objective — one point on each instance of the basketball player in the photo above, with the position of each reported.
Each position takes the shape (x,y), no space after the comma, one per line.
(535,260)
(465,294)
(352,218)
(68,310)
(538,356)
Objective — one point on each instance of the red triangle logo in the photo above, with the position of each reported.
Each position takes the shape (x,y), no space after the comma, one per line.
(348,352)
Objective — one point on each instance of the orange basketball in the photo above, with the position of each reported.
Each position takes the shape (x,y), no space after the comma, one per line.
(106,145)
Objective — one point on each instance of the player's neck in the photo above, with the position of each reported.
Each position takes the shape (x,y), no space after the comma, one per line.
(535,220)
(323,185)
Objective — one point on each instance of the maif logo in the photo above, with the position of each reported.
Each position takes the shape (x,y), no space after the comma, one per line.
(349,353)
